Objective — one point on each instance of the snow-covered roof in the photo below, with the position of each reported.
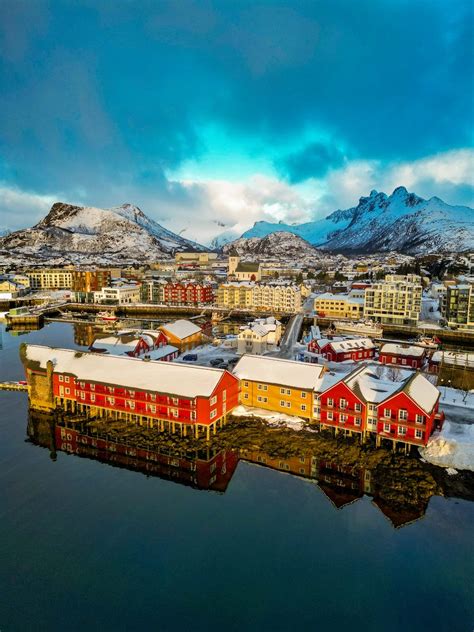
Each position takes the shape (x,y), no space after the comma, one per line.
(402,350)
(373,385)
(352,344)
(260,330)
(115,344)
(422,392)
(161,352)
(165,377)
(289,373)
(460,358)
(181,328)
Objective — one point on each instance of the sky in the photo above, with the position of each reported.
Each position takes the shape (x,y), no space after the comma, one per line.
(213,115)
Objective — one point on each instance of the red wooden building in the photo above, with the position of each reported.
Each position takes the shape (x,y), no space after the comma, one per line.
(163,395)
(366,401)
(341,350)
(188,293)
(402,355)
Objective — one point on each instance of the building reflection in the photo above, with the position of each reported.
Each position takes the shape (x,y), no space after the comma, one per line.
(400,493)
(202,469)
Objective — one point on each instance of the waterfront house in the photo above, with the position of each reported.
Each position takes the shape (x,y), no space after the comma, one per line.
(283,386)
(182,332)
(162,395)
(343,349)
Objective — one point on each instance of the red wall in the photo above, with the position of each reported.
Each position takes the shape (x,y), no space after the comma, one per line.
(403,401)
(336,392)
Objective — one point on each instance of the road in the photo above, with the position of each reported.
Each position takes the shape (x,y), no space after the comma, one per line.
(293,330)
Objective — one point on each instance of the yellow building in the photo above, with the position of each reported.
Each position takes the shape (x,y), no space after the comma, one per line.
(283,386)
(198,258)
(50,279)
(279,298)
(339,306)
(397,300)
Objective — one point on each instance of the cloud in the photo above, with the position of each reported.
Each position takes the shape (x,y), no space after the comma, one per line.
(313,161)
(16,204)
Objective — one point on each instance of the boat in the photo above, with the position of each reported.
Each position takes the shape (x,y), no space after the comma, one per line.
(358,327)
(430,342)
(107,316)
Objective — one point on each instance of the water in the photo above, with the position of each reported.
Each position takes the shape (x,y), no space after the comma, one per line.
(85,545)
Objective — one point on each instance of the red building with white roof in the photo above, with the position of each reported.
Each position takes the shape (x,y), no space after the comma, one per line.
(172,396)
(402,355)
(343,349)
(367,401)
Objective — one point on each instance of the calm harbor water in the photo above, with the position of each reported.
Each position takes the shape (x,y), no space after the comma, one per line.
(85,545)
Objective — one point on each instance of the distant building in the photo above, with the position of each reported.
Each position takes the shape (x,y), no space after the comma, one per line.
(243,270)
(11,289)
(190,293)
(259,336)
(343,349)
(402,355)
(89,280)
(339,306)
(50,279)
(151,344)
(397,300)
(277,298)
(182,332)
(195,258)
(458,305)
(118,295)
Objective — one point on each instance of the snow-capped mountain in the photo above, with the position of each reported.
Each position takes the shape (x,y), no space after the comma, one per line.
(76,234)
(281,245)
(401,221)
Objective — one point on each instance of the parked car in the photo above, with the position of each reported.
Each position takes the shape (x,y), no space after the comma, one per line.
(224,365)
(216,361)
(190,357)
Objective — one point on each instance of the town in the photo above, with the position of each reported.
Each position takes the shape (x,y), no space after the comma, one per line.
(374,348)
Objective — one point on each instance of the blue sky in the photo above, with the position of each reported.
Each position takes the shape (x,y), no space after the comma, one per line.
(212,115)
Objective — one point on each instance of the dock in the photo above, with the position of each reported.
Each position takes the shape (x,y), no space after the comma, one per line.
(13,386)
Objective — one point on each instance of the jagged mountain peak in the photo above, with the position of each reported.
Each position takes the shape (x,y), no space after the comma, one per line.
(400,221)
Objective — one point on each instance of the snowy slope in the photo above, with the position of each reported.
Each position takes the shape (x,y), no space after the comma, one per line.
(86,234)
(282,245)
(317,232)
(402,221)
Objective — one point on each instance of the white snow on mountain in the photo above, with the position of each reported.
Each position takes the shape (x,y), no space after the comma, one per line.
(74,234)
(281,245)
(402,221)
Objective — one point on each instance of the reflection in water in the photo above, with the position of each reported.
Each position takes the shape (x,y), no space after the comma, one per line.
(400,489)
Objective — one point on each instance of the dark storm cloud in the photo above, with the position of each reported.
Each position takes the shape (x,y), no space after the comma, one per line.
(314,161)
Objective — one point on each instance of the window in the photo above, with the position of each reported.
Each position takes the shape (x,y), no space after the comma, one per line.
(153,397)
(402,431)
(66,379)
(386,427)
(131,404)
(213,414)
(303,406)
(342,418)
(175,413)
(342,403)
(357,421)
(419,433)
(82,384)
(83,395)
(302,459)
(420,419)
(61,378)
(246,383)
(403,414)
(282,391)
(387,413)
(68,391)
(303,394)
(330,415)
(330,401)
(212,401)
(358,407)
(92,397)
(153,408)
(288,404)
(282,403)
(92,387)
(246,396)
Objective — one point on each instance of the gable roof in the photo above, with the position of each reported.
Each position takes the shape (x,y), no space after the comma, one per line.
(288,373)
(395,349)
(247,266)
(181,328)
(164,377)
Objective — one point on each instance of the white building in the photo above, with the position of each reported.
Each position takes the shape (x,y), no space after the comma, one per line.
(397,300)
(119,295)
(259,336)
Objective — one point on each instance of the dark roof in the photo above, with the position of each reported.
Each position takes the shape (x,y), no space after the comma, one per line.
(247,267)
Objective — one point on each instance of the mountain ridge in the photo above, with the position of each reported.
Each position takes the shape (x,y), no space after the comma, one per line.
(401,221)
(85,234)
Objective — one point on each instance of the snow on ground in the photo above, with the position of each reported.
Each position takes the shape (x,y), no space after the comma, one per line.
(452,447)
(206,353)
(271,417)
